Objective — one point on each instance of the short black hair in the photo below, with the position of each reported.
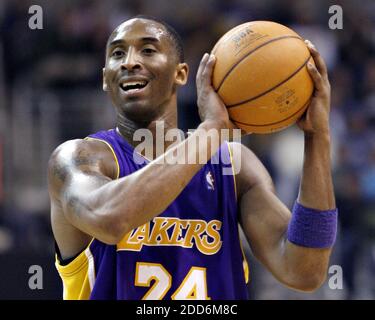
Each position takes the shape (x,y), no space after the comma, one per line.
(172,34)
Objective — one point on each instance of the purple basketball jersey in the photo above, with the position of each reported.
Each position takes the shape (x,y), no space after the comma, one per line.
(190,251)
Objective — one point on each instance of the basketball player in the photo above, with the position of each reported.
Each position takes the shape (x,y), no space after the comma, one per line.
(159,231)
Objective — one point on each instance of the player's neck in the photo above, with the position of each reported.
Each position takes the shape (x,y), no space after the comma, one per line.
(167,121)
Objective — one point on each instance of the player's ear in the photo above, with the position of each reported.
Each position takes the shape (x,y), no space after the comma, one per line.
(181,75)
(105,86)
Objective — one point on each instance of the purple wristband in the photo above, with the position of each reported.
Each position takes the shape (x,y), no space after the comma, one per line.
(312,228)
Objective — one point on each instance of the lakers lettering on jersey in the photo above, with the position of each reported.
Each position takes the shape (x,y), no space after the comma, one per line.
(204,236)
(190,251)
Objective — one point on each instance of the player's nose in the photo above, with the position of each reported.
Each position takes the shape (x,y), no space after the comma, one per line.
(130,61)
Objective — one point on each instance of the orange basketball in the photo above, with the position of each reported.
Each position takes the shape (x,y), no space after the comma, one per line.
(261,75)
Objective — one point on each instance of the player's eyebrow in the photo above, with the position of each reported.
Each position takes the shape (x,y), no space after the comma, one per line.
(143,39)
(150,39)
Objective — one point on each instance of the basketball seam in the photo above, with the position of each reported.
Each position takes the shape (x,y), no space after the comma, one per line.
(249,53)
(270,124)
(274,87)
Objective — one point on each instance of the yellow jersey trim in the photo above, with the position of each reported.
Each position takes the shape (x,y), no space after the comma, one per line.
(232,164)
(78,276)
(245,263)
(113,152)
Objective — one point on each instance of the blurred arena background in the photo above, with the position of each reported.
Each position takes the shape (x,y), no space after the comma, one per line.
(50,91)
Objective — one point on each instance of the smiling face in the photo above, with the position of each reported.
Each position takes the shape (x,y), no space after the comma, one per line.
(142,70)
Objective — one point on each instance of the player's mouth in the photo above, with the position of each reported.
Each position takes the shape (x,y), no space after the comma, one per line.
(133,87)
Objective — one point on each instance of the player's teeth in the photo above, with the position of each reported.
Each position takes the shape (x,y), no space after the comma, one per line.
(141,83)
(133,85)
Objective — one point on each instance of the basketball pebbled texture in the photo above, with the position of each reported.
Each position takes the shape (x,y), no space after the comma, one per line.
(261,75)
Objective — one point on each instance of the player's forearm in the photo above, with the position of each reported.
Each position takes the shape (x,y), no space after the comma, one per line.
(135,199)
(316,189)
(307,267)
(303,268)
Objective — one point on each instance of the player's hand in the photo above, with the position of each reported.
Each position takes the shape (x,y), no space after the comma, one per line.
(316,118)
(210,105)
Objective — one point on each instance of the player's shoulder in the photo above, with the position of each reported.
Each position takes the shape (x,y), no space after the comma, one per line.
(240,152)
(243,158)
(72,149)
(250,170)
(82,155)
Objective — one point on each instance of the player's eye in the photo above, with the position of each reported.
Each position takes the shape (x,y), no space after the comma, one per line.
(148,51)
(117,53)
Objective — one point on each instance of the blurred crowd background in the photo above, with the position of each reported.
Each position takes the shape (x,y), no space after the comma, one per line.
(50,91)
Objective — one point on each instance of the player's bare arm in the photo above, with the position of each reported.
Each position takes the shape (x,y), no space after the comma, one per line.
(89,202)
(265,218)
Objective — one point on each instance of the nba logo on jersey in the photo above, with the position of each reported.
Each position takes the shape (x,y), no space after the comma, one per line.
(210,181)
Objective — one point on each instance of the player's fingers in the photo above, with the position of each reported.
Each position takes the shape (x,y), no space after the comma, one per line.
(201,68)
(315,75)
(319,61)
(207,72)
